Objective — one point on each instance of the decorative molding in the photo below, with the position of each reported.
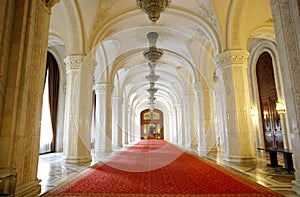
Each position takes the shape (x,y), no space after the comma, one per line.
(76,45)
(111,32)
(197,86)
(103,88)
(233,57)
(78,62)
(207,14)
(199,32)
(236,21)
(101,13)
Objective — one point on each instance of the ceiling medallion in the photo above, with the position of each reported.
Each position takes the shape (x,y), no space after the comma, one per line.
(153,7)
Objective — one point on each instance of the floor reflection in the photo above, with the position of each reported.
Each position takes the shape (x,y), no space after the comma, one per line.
(53,171)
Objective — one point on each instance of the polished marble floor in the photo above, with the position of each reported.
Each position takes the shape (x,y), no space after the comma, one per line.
(53,171)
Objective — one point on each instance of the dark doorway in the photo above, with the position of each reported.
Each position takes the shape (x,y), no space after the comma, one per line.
(268,97)
(152,125)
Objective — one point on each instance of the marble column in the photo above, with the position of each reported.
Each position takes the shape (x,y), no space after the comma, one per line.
(130,130)
(201,133)
(189,119)
(78,108)
(175,126)
(135,128)
(117,121)
(125,131)
(24,36)
(171,124)
(232,69)
(286,19)
(103,134)
(180,130)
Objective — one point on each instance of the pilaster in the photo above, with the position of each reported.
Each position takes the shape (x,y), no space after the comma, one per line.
(24,36)
(239,137)
(103,135)
(78,108)
(287,30)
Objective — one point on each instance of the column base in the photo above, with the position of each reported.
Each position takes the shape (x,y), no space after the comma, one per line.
(296,186)
(102,153)
(202,153)
(77,159)
(30,189)
(237,158)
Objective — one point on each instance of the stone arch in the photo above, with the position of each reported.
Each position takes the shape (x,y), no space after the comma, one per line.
(256,49)
(76,44)
(202,28)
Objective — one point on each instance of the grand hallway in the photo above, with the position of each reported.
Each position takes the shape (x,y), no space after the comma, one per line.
(82,79)
(53,172)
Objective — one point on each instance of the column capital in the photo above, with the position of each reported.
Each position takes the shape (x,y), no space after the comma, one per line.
(197,86)
(232,58)
(78,62)
(103,88)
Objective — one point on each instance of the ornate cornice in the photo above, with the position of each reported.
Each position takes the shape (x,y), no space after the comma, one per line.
(78,62)
(233,57)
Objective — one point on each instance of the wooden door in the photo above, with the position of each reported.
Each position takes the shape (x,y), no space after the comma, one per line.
(272,125)
(268,97)
(152,125)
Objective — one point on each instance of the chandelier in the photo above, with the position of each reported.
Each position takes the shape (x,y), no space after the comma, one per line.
(153,7)
(153,54)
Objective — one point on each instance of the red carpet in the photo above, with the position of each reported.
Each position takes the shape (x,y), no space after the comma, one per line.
(156,168)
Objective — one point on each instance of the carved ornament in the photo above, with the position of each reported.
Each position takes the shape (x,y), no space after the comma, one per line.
(77,62)
(233,57)
(103,88)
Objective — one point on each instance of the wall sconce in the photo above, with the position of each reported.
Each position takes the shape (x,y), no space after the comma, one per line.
(280,107)
(253,112)
(265,114)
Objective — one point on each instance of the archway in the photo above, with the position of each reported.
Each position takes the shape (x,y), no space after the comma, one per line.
(152,125)
(268,99)
(49,108)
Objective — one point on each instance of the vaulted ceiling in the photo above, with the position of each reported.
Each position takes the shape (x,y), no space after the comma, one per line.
(191,34)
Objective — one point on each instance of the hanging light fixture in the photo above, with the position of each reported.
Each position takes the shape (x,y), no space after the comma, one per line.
(153,7)
(153,54)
